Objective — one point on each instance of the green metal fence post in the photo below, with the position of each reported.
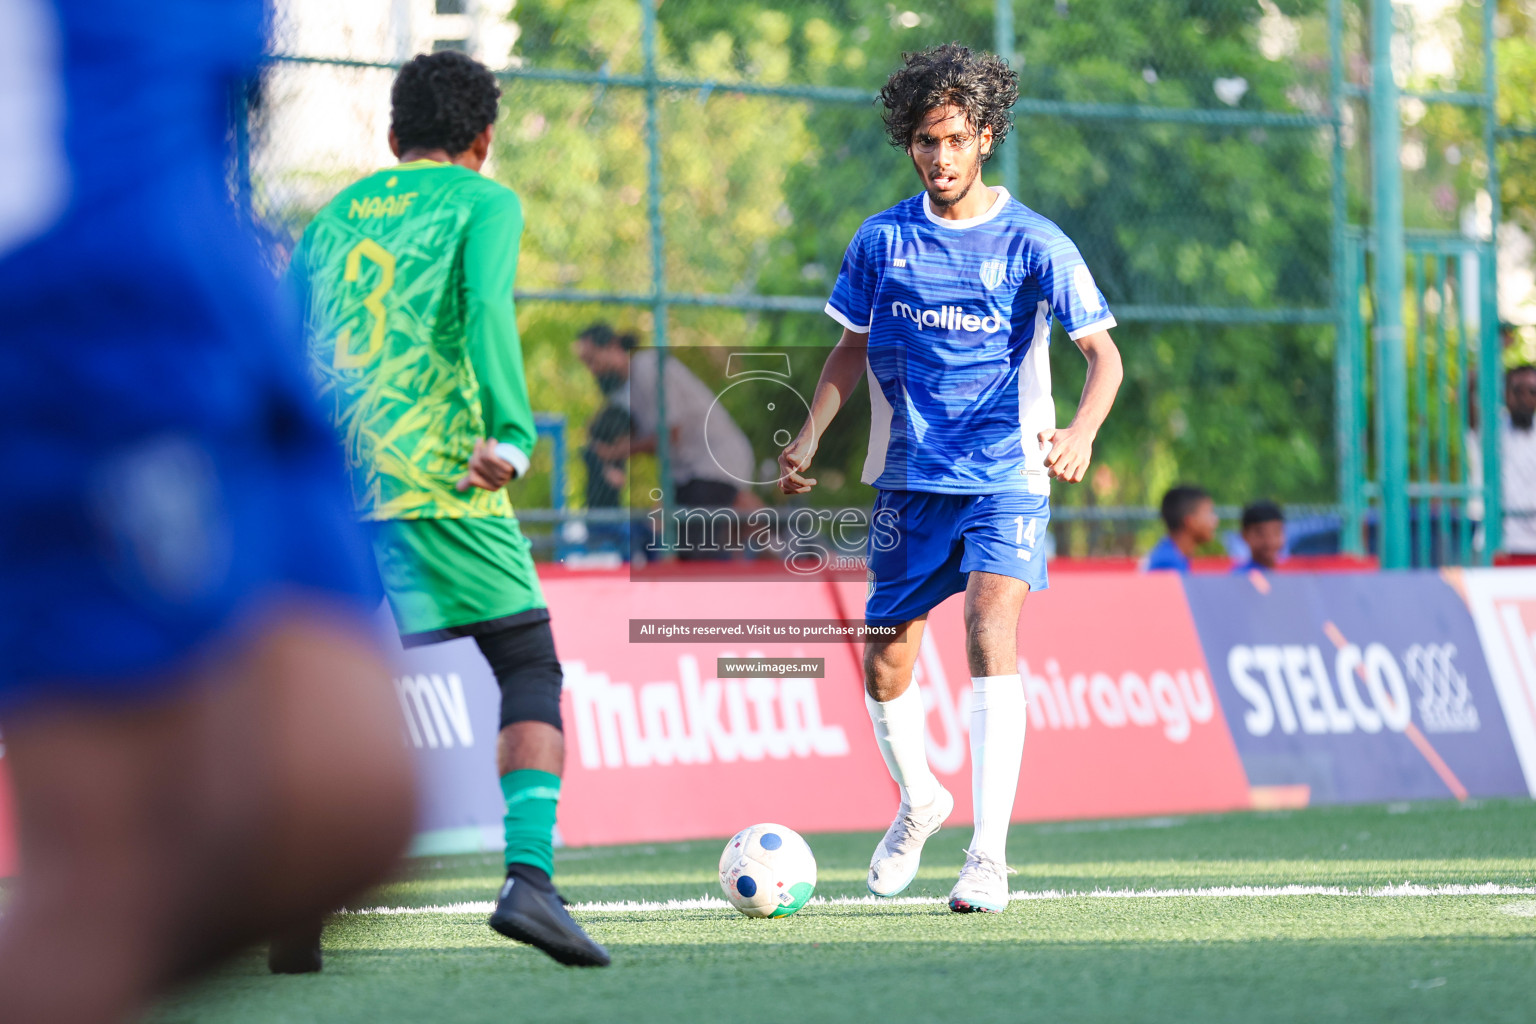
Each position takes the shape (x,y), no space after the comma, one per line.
(658,265)
(1443,422)
(1490,358)
(1392,384)
(1419,423)
(1365,364)
(1345,387)
(1463,404)
(1423,419)
(1004,43)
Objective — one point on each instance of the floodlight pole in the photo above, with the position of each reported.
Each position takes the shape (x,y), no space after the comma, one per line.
(1391,354)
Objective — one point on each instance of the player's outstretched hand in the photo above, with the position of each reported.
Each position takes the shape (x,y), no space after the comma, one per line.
(486,470)
(1071,451)
(794,460)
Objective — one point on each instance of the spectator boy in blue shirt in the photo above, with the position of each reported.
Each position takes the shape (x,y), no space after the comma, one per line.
(1263,530)
(1190,516)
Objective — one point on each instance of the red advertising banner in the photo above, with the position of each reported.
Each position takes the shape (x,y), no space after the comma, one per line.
(659,748)
(1122,716)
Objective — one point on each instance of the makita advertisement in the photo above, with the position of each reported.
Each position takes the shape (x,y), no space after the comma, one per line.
(659,747)
(1356,687)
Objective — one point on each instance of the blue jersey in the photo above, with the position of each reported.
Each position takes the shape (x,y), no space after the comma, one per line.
(132,295)
(959,317)
(1165,555)
(166,469)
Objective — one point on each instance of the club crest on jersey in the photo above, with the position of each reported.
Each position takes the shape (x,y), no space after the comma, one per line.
(992,273)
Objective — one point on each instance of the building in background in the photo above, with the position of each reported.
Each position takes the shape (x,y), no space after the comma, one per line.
(334,120)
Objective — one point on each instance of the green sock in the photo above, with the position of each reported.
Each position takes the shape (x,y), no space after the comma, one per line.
(532,797)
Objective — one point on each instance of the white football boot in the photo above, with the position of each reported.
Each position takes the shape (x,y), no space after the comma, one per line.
(983,886)
(895,862)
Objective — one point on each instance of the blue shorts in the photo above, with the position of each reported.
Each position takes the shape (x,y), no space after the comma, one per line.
(922,547)
(110,587)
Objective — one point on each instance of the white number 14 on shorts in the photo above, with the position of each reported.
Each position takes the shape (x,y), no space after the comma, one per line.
(1024,537)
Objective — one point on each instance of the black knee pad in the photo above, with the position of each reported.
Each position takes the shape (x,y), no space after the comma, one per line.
(527,669)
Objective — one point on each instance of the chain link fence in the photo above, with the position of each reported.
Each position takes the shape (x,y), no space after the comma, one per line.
(692,170)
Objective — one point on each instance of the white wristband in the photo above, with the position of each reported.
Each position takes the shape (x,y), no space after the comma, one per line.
(515,455)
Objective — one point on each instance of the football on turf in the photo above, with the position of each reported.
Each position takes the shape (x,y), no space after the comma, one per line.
(767,871)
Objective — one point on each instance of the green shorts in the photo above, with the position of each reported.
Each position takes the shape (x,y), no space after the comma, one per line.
(457,577)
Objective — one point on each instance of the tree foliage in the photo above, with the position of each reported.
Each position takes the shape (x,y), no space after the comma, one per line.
(762,195)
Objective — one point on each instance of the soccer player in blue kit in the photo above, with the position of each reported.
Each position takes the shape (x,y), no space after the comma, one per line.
(946,301)
(201,732)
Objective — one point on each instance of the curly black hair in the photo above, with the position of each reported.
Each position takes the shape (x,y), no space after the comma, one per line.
(982,85)
(442,101)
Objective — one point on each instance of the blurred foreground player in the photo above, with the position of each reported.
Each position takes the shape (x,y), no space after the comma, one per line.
(946,302)
(407,278)
(204,743)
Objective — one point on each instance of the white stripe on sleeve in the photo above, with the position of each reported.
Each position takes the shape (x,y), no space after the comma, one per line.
(838,315)
(1093,328)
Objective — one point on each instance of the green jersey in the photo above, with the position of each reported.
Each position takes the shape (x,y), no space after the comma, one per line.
(406,282)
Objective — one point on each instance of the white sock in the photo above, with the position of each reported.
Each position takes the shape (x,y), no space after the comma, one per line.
(899,732)
(997,748)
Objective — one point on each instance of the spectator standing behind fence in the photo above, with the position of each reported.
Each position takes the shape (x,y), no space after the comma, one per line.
(608,431)
(1190,516)
(1263,530)
(706,471)
(711,458)
(1517,458)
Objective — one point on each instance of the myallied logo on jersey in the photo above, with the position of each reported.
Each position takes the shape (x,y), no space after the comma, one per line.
(992,272)
(949,318)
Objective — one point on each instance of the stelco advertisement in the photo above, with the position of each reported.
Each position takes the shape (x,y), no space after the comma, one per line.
(1358,687)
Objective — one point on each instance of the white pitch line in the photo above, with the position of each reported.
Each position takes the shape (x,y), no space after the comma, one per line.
(1022,895)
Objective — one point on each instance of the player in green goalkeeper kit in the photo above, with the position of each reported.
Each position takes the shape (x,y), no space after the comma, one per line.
(406,278)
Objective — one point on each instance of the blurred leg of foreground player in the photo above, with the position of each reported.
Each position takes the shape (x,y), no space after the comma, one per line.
(202,741)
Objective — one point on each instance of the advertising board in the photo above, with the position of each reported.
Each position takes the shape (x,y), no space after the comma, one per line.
(659,747)
(1295,689)
(450,706)
(1123,718)
(1355,687)
(1503,604)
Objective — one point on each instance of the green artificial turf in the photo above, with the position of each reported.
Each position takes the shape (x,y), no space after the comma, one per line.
(1173,958)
